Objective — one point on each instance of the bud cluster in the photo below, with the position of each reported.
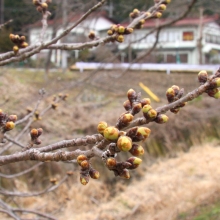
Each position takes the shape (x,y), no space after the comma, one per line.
(122,168)
(121,141)
(161,6)
(35,134)
(56,99)
(86,170)
(136,13)
(213,90)
(149,113)
(41,6)
(119,32)
(19,41)
(134,104)
(173,94)
(7,122)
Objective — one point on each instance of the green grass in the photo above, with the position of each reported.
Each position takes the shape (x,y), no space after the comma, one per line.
(207,212)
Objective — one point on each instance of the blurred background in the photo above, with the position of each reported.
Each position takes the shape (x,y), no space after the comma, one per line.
(180,172)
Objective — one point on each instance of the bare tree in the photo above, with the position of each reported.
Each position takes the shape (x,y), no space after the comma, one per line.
(123,136)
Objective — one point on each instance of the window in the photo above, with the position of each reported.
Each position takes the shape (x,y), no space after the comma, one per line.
(188,36)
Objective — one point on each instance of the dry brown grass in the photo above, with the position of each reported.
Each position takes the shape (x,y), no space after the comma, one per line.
(167,188)
(159,192)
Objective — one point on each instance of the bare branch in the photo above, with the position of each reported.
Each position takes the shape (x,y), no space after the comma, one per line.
(46,190)
(3,25)
(22,172)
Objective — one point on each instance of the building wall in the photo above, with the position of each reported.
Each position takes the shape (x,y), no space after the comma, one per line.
(177,41)
(78,34)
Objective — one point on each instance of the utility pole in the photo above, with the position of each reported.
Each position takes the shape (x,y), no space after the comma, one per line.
(64,22)
(200,38)
(2,11)
(110,9)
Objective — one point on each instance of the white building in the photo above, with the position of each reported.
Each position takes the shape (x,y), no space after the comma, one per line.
(178,43)
(96,22)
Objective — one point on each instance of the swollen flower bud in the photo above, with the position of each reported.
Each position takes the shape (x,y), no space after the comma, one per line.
(15,49)
(176,89)
(145,101)
(217,95)
(128,30)
(94,174)
(24,45)
(81,158)
(120,38)
(39,9)
(125,174)
(142,21)
(151,114)
(9,126)
(12,37)
(36,2)
(22,38)
(214,93)
(162,7)
(111,133)
(34,133)
(110,32)
(134,161)
(166,1)
(161,118)
(124,143)
(170,93)
(148,14)
(121,29)
(215,83)
(91,35)
(175,110)
(158,14)
(85,164)
(202,76)
(12,118)
(111,163)
(84,179)
(136,108)
(40,131)
(101,127)
(146,108)
(54,181)
(54,105)
(44,5)
(127,105)
(143,132)
(132,95)
(137,150)
(126,118)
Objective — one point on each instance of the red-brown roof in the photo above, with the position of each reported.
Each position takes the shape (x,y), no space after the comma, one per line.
(184,22)
(71,19)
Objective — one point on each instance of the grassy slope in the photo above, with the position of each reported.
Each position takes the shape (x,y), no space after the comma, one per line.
(167,189)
